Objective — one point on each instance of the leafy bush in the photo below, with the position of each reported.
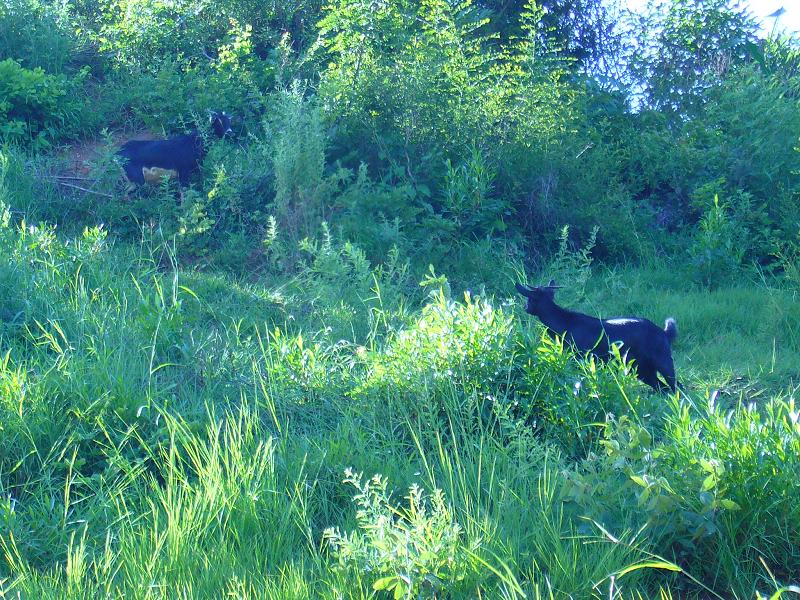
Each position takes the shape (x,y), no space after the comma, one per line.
(411,86)
(469,200)
(572,268)
(708,485)
(302,191)
(37,108)
(175,96)
(721,243)
(383,216)
(788,257)
(140,35)
(749,132)
(39,34)
(416,551)
(467,344)
(566,396)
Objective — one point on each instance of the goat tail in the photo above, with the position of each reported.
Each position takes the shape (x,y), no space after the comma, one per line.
(671,329)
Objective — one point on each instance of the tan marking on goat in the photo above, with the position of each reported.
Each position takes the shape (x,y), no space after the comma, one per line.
(157,174)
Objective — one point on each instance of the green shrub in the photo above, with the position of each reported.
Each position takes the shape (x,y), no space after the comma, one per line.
(413,86)
(466,344)
(715,485)
(382,216)
(37,108)
(177,96)
(338,281)
(141,35)
(302,191)
(720,246)
(469,200)
(39,34)
(417,551)
(788,256)
(566,396)
(750,131)
(570,267)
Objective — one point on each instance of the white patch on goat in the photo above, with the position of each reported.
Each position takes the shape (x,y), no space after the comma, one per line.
(621,321)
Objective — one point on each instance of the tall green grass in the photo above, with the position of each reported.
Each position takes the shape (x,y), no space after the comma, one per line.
(173,434)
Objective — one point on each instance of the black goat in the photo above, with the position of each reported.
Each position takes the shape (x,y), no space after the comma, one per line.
(642,340)
(151,160)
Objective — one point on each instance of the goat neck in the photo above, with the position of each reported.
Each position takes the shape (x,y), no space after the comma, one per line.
(554,317)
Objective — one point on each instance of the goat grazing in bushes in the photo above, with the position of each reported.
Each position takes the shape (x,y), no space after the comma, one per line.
(176,157)
(642,340)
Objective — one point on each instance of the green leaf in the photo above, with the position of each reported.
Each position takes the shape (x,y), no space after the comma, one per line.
(645,439)
(730,505)
(707,465)
(652,564)
(385,583)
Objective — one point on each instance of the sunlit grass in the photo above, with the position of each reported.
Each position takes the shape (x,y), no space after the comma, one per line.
(179,435)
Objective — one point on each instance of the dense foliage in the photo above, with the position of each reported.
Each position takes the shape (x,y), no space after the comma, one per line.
(305,376)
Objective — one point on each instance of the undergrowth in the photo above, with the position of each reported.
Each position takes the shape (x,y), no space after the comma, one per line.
(154,418)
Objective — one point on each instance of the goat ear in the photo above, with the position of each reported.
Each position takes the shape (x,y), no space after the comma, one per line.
(552,284)
(522,289)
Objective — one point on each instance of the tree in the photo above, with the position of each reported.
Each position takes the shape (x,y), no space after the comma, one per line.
(584,31)
(681,48)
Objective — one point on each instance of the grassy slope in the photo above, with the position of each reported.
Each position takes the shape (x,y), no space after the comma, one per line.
(161,438)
